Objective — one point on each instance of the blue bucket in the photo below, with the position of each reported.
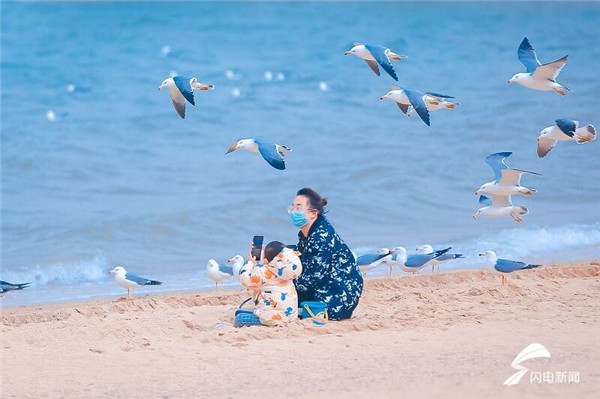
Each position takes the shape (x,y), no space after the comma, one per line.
(314,306)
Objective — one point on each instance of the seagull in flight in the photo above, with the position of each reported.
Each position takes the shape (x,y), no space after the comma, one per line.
(405,98)
(506,181)
(539,76)
(272,153)
(181,90)
(564,130)
(376,55)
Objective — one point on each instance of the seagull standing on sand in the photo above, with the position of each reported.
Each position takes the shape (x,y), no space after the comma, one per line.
(397,260)
(444,258)
(415,262)
(435,102)
(564,130)
(130,281)
(405,98)
(503,265)
(218,273)
(182,89)
(374,55)
(370,261)
(272,153)
(506,181)
(6,286)
(539,76)
(237,262)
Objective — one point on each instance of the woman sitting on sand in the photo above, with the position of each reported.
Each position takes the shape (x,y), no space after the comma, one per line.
(330,273)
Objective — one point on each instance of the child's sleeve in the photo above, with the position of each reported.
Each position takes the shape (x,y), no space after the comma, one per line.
(252,275)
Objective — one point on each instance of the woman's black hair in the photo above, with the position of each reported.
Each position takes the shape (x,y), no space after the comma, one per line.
(314,199)
(272,249)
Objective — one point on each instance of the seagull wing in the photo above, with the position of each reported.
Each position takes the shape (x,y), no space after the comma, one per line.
(416,100)
(527,56)
(378,52)
(140,280)
(270,154)
(403,107)
(512,177)
(550,70)
(448,256)
(178,101)
(567,126)
(485,200)
(367,259)
(544,146)
(373,65)
(508,266)
(6,286)
(184,86)
(501,201)
(226,269)
(438,96)
(496,162)
(417,260)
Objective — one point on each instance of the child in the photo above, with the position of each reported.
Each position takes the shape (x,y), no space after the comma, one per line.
(276,300)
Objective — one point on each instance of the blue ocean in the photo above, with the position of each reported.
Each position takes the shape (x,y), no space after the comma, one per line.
(98,170)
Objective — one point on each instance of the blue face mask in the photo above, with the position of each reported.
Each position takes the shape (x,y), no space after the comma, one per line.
(299,218)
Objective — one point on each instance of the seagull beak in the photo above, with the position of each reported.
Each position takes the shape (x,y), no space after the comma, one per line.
(477,192)
(382,98)
(111,271)
(510,81)
(347,53)
(232,148)
(481,254)
(229,260)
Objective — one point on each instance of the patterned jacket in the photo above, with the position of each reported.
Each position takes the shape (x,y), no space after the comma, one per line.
(330,272)
(276,297)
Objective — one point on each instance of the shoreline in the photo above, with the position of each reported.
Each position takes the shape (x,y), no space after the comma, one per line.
(421,335)
(236,287)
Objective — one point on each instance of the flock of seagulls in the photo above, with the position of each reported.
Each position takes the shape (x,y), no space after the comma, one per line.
(409,101)
(396,258)
(496,195)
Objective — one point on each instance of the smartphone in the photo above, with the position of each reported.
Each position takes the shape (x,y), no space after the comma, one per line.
(257,243)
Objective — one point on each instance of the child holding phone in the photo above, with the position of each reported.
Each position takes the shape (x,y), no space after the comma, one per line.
(276,300)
